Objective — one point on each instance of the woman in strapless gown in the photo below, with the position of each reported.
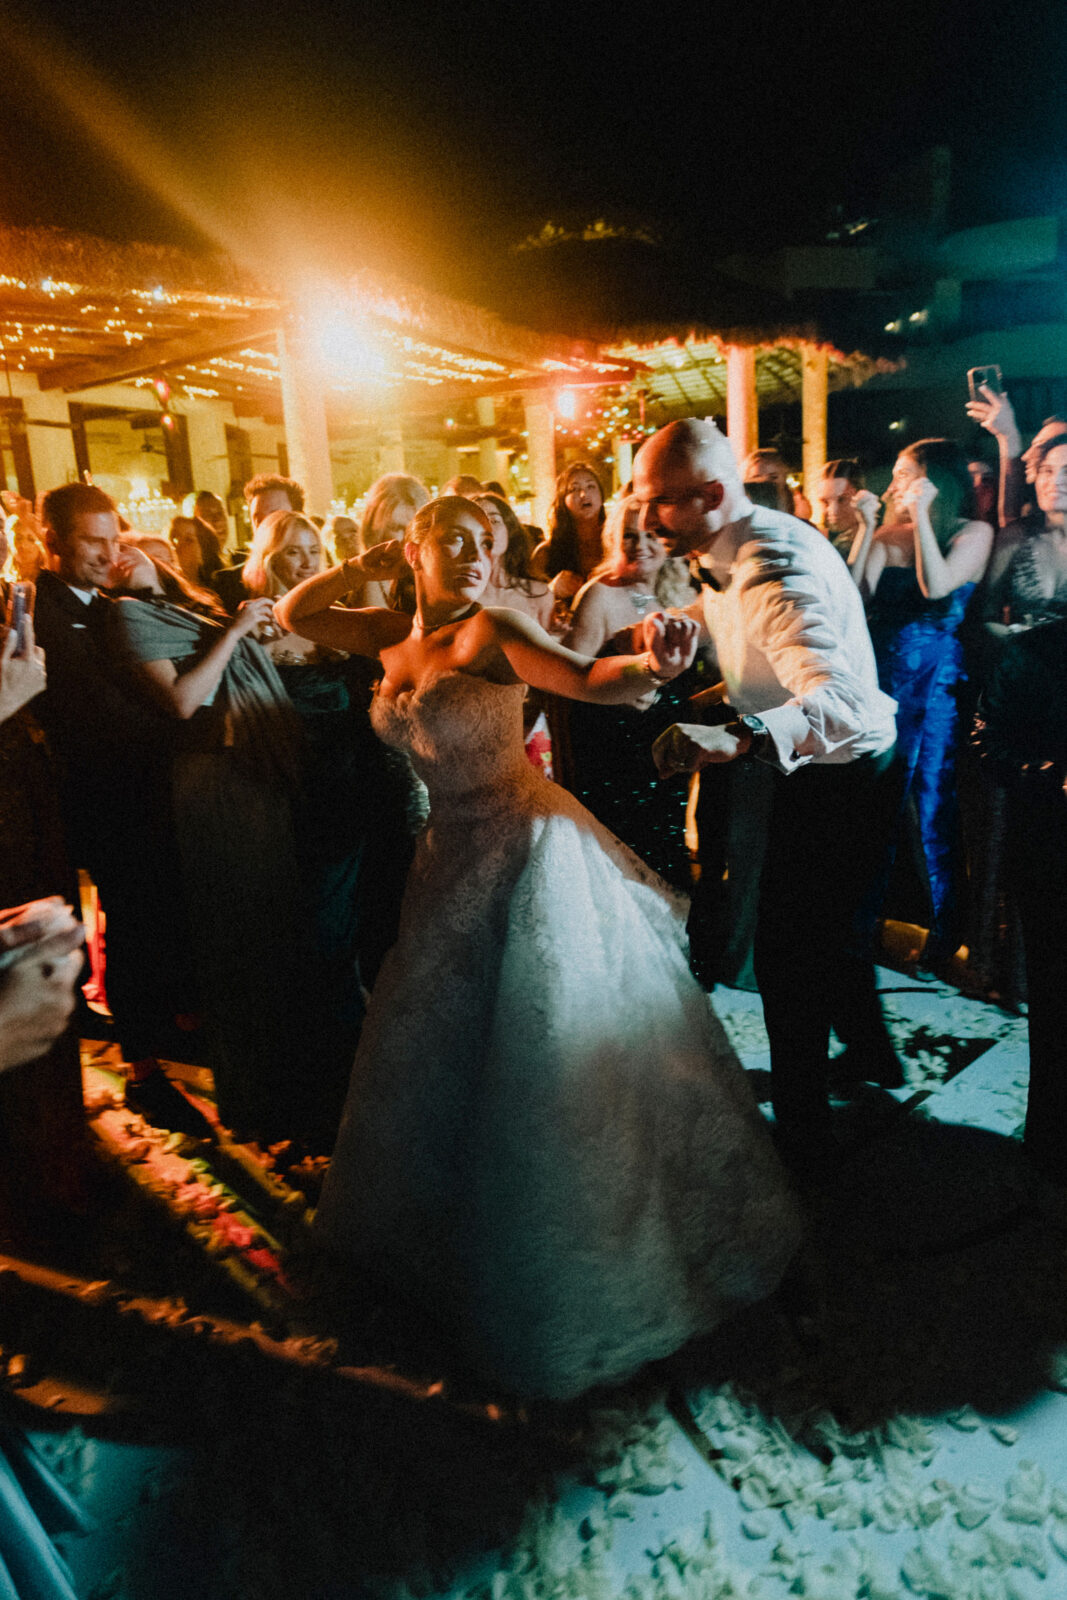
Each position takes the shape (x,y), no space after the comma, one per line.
(548,1137)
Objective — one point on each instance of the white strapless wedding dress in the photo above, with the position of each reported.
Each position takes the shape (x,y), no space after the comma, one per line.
(547,1136)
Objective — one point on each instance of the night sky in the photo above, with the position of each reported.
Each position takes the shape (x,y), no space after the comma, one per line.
(428,139)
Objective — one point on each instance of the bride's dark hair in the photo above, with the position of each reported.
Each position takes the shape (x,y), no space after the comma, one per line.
(442,512)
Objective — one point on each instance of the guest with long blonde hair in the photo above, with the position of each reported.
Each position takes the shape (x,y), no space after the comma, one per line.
(287,548)
(390,506)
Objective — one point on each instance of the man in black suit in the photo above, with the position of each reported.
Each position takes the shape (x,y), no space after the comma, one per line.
(113,750)
(269,492)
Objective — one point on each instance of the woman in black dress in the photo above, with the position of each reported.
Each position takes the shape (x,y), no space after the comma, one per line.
(611,768)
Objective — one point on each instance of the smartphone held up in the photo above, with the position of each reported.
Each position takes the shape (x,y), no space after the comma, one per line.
(979,378)
(20,617)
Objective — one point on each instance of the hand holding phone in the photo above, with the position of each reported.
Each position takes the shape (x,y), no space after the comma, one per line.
(979,378)
(22,676)
(991,408)
(20,617)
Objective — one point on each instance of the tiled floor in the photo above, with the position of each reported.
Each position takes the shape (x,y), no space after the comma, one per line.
(900,1428)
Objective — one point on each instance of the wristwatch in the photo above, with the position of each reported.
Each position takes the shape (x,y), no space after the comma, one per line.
(761,745)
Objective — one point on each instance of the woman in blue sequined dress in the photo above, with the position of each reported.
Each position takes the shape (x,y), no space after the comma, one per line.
(918,572)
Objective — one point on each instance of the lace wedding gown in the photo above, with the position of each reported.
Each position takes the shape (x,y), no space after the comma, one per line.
(547,1135)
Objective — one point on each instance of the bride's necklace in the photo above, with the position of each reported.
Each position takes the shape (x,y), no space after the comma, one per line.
(432,627)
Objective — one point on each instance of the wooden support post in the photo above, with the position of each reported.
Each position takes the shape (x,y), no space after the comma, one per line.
(541,449)
(814,366)
(623,451)
(304,411)
(488,462)
(742,408)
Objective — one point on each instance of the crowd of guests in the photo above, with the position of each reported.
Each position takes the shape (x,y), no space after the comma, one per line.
(215,771)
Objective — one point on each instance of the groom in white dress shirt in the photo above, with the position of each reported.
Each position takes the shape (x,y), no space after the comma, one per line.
(787,627)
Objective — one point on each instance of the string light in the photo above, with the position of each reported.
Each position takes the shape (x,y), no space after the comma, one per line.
(384,327)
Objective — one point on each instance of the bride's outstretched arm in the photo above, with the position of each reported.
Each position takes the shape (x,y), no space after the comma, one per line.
(670,645)
(313,610)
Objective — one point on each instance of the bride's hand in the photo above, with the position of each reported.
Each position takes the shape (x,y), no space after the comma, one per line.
(671,642)
(382,560)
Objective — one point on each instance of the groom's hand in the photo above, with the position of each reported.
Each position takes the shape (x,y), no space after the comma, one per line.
(687,746)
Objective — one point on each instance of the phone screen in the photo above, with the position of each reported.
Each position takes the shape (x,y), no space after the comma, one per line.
(19,612)
(984,377)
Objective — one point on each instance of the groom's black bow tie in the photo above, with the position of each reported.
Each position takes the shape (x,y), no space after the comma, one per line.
(706,579)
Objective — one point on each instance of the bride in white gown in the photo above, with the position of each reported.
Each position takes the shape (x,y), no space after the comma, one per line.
(548,1137)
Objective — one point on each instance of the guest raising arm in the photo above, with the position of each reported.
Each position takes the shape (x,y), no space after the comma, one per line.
(359,802)
(919,571)
(940,571)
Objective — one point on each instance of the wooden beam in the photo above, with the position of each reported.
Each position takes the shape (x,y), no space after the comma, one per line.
(156,355)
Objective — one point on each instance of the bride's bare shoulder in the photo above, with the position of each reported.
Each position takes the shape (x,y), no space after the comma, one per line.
(508,623)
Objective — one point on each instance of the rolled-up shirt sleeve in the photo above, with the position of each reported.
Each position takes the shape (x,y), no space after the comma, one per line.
(814,638)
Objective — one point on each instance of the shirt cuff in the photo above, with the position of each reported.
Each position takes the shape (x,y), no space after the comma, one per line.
(788,727)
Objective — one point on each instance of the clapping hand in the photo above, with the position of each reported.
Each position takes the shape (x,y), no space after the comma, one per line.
(671,641)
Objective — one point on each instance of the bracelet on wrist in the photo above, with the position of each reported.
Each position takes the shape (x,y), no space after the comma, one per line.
(652,672)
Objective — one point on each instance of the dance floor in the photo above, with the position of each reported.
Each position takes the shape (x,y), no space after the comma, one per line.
(895,1424)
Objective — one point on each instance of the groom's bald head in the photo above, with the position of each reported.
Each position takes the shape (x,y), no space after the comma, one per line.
(691,445)
(687,481)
